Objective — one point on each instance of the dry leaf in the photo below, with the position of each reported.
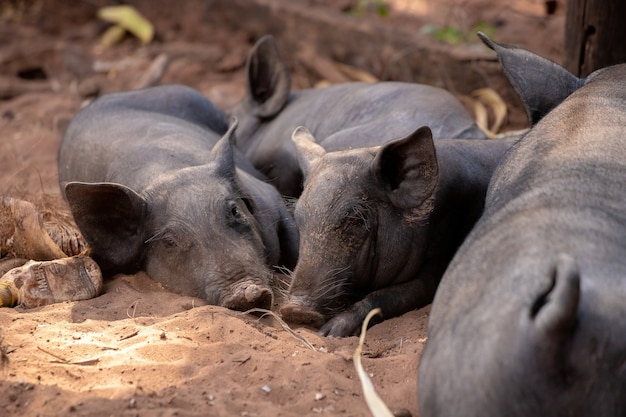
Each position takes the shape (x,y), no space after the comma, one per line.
(130,19)
(112,35)
(376,405)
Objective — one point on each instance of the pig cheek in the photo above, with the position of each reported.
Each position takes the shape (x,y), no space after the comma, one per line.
(399,249)
(177,269)
(237,276)
(356,255)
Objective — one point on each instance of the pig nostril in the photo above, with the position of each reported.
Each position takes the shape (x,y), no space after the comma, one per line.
(259,297)
(248,297)
(253,292)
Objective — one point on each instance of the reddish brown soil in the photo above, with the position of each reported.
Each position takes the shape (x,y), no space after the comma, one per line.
(139,350)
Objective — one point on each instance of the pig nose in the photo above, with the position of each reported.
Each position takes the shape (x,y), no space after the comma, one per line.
(250,296)
(300,314)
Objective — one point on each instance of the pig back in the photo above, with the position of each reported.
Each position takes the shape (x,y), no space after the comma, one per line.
(130,147)
(369,114)
(353,115)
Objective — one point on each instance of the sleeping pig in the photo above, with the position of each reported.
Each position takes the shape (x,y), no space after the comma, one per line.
(154,183)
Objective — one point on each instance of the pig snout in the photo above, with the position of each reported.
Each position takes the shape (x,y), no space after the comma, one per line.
(248,296)
(297,312)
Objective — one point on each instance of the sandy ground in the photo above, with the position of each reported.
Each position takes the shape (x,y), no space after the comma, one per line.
(139,350)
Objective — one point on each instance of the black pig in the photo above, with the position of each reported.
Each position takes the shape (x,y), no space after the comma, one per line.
(378,225)
(529,319)
(373,113)
(152,186)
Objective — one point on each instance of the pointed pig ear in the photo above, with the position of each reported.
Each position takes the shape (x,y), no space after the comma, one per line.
(539,82)
(308,151)
(268,80)
(408,169)
(111,218)
(222,153)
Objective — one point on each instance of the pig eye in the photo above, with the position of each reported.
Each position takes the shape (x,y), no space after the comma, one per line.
(169,242)
(235,213)
(357,215)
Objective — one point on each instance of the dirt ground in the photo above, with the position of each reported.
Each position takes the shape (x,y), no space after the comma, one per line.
(138,350)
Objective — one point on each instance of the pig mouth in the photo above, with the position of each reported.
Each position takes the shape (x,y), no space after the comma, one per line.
(300,314)
(314,307)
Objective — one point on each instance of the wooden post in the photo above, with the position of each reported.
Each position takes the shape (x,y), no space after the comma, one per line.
(595,35)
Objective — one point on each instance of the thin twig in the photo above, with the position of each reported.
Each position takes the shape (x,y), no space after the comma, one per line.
(53,355)
(64,361)
(134,307)
(284,325)
(133,334)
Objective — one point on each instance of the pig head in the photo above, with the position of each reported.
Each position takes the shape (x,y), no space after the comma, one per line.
(345,115)
(528,319)
(152,186)
(379,224)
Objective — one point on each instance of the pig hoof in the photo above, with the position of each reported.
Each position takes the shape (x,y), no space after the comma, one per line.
(343,325)
(252,296)
(294,313)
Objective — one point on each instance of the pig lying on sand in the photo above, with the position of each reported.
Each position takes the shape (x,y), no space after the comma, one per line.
(152,186)
(378,225)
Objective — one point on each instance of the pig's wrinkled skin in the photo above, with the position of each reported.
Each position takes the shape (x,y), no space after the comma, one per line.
(378,225)
(370,113)
(152,186)
(529,319)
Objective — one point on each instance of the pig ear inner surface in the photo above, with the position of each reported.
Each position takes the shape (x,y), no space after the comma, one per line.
(269,82)
(308,151)
(110,217)
(408,168)
(540,83)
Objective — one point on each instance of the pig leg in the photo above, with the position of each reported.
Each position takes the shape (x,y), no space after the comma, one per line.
(393,301)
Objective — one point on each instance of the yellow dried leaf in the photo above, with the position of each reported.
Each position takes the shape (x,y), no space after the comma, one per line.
(112,35)
(493,100)
(130,19)
(376,405)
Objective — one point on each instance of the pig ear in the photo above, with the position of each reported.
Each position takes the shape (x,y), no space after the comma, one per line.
(554,311)
(554,314)
(308,151)
(408,168)
(269,83)
(222,153)
(111,218)
(540,83)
